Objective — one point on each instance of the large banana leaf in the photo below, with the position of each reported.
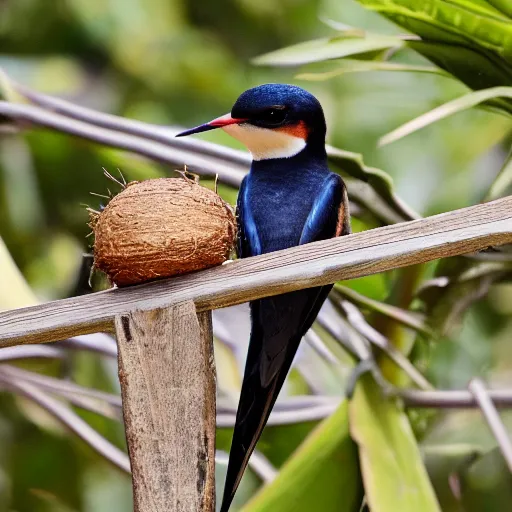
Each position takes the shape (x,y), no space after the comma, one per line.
(473,22)
(395,479)
(504,6)
(471,39)
(323,474)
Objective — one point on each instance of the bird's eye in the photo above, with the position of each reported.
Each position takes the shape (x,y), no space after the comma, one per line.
(273,116)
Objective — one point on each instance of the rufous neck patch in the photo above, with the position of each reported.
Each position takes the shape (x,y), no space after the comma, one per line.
(295,130)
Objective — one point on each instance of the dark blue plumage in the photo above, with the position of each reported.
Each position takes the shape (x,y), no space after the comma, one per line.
(284,201)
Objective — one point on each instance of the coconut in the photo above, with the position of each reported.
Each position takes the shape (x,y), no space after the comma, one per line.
(160,228)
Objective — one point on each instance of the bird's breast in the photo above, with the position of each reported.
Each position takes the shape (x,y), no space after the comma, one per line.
(279,209)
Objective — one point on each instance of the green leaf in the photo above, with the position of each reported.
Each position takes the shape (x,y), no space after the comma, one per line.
(472,39)
(7,90)
(358,66)
(400,315)
(457,284)
(20,294)
(229,378)
(52,501)
(395,479)
(323,474)
(478,68)
(443,461)
(487,484)
(380,181)
(452,107)
(504,6)
(349,43)
(503,182)
(480,7)
(438,20)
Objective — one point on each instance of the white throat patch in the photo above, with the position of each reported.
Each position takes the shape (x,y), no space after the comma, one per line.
(264,143)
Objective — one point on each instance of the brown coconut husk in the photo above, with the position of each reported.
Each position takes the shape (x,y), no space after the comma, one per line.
(160,228)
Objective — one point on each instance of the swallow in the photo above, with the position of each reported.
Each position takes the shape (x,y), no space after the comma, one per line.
(288,198)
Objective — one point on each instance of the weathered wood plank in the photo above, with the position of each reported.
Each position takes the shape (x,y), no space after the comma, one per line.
(167,376)
(458,232)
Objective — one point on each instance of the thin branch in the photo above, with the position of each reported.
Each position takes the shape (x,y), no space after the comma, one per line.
(104,344)
(357,320)
(257,462)
(318,345)
(319,263)
(451,399)
(69,418)
(226,418)
(30,352)
(333,323)
(367,199)
(97,342)
(407,318)
(77,425)
(109,404)
(289,413)
(485,402)
(293,409)
(295,403)
(262,467)
(308,370)
(391,209)
(497,256)
(229,172)
(163,134)
(361,349)
(375,180)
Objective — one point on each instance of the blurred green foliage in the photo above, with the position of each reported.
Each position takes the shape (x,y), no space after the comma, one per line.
(184,62)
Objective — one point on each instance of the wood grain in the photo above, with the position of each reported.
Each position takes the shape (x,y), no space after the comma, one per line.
(458,232)
(167,376)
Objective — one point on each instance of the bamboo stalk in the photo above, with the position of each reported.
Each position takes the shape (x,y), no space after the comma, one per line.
(167,376)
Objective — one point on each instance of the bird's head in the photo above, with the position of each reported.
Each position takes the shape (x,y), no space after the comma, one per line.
(273,121)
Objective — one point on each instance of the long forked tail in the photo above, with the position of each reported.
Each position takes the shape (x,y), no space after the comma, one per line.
(278,324)
(256,402)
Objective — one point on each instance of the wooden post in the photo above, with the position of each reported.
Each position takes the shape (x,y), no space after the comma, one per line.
(167,375)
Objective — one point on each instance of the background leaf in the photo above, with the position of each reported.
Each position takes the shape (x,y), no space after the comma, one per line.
(20,293)
(452,107)
(395,478)
(327,455)
(503,182)
(459,37)
(346,44)
(358,66)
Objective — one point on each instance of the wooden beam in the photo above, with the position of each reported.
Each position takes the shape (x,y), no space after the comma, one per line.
(167,376)
(449,234)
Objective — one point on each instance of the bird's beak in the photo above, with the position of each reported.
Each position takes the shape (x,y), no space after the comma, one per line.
(216,123)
